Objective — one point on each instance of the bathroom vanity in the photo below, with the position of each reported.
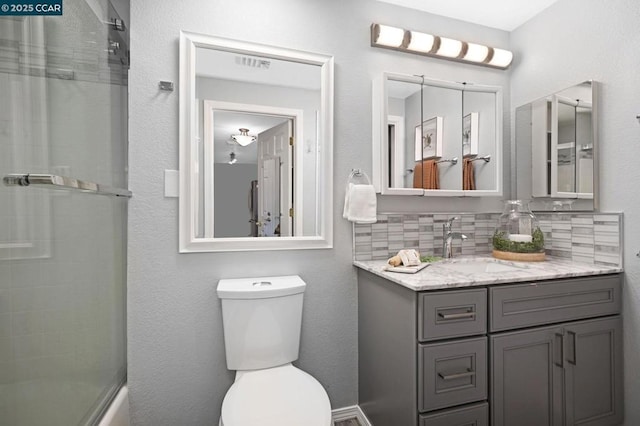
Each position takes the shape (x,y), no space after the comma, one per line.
(535,344)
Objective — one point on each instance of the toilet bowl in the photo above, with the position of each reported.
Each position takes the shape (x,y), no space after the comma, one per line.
(276,396)
(261,321)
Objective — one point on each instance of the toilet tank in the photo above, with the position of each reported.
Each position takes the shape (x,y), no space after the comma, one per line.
(261,319)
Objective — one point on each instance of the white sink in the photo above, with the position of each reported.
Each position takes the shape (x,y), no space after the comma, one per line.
(480,266)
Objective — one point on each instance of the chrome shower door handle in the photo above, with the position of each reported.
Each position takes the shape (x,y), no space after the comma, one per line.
(64,182)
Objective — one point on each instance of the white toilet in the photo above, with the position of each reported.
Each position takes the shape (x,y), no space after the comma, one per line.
(261,319)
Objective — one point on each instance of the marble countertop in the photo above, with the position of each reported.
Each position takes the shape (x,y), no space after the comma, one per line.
(444,275)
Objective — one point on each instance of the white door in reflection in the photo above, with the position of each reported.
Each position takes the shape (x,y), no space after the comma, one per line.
(275,197)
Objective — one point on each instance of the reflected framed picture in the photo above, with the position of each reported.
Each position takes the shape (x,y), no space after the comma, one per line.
(428,140)
(470,135)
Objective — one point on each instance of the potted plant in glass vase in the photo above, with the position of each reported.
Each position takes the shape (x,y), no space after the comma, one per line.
(518,236)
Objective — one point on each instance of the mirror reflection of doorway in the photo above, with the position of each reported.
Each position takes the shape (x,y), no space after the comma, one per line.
(274,180)
(252,192)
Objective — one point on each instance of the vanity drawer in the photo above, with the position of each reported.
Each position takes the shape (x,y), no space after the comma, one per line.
(452,373)
(523,305)
(470,415)
(451,314)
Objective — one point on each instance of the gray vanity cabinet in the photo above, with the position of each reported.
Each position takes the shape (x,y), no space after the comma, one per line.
(452,373)
(423,356)
(565,374)
(593,377)
(545,353)
(526,386)
(593,373)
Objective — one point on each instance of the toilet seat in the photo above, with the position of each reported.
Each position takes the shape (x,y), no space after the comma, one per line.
(279,396)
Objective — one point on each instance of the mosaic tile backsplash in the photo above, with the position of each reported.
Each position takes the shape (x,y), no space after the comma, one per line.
(594,238)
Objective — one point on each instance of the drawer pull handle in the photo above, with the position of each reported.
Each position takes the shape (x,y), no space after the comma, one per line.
(457,316)
(454,376)
(560,335)
(573,361)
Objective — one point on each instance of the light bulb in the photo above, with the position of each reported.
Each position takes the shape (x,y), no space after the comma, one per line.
(501,58)
(476,52)
(421,42)
(389,36)
(449,47)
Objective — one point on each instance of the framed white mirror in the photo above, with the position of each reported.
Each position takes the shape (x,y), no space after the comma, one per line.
(256,144)
(557,149)
(436,138)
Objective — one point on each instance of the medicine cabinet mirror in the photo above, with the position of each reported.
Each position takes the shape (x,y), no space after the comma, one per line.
(556,145)
(256,144)
(436,138)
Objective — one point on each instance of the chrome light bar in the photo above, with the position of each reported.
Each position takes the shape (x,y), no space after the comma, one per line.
(419,43)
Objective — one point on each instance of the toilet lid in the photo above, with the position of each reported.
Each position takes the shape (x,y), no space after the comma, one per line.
(280,396)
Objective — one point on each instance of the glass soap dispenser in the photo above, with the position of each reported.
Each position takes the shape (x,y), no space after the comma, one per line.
(518,236)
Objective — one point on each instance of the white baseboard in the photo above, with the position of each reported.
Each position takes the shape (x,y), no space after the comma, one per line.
(349,413)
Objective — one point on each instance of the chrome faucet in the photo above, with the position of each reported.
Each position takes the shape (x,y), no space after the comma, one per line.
(447,238)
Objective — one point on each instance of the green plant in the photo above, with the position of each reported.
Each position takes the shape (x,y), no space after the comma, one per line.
(429,259)
(502,243)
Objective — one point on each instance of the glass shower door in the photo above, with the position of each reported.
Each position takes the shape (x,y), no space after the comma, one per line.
(63,112)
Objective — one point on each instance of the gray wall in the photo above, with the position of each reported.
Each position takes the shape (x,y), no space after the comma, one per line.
(576,40)
(232,183)
(177,371)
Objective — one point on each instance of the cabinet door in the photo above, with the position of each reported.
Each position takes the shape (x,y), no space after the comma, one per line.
(593,377)
(526,378)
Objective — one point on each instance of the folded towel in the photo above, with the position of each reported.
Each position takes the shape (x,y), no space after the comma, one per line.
(468,175)
(425,175)
(360,204)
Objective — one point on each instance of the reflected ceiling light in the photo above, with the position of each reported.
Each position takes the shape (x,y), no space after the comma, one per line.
(243,139)
(439,47)
(232,158)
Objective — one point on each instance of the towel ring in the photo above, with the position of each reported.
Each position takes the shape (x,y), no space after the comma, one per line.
(358,174)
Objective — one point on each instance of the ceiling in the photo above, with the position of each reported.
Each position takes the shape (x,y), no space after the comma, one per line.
(502,14)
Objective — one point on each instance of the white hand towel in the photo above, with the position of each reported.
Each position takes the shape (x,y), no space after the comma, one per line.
(360,204)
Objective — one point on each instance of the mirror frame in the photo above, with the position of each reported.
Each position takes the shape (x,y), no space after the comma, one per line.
(380,122)
(544,204)
(380,139)
(188,241)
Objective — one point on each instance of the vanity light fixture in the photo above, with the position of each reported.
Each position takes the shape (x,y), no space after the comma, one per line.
(390,36)
(243,139)
(394,38)
(449,47)
(232,158)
